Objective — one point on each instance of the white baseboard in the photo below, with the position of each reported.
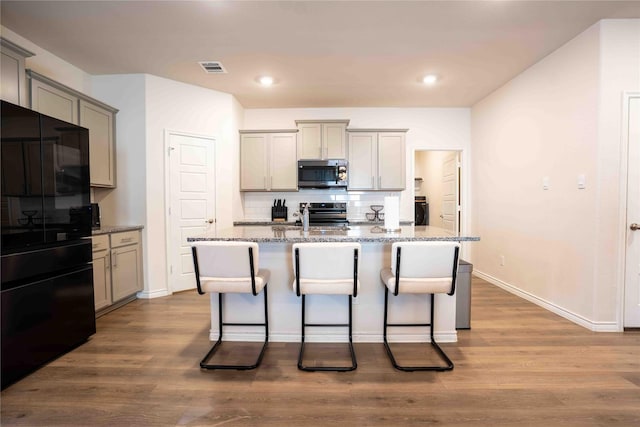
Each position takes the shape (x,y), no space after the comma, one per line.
(441,337)
(153,294)
(560,311)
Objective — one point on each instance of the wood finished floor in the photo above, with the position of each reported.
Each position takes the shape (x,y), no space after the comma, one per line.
(519,366)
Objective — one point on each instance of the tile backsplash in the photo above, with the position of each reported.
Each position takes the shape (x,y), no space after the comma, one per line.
(257,206)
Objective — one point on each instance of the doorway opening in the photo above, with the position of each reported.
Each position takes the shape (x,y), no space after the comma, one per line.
(437,188)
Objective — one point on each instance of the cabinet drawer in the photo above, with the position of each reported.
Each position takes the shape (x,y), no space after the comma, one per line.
(100,243)
(125,238)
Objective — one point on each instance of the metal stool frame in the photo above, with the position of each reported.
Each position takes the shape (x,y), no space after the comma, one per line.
(434,344)
(221,323)
(354,363)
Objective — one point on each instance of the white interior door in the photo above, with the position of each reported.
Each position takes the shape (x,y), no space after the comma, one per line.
(632,282)
(192,201)
(450,209)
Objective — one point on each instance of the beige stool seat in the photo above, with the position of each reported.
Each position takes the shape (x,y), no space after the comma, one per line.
(326,268)
(230,267)
(420,268)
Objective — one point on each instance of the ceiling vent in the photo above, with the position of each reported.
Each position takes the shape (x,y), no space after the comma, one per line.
(212,67)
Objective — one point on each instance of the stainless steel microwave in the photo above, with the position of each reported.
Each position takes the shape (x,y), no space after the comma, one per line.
(322,173)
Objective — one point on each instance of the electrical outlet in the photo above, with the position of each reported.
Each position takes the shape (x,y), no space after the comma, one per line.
(502,260)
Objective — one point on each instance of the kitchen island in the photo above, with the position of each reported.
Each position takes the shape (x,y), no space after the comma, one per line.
(275,243)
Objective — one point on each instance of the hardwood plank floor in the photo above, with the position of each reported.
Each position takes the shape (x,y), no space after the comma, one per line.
(519,366)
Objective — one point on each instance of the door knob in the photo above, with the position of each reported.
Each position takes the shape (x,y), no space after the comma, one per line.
(634,227)
(210,220)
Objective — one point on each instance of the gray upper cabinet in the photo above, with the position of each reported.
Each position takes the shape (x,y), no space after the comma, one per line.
(54,102)
(322,139)
(57,100)
(377,159)
(99,121)
(268,160)
(13,86)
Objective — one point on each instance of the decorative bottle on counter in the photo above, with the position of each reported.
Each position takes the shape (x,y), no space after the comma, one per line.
(305,218)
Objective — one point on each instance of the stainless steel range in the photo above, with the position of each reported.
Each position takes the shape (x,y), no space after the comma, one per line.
(327,214)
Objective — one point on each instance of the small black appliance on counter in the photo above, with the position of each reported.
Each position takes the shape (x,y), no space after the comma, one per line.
(46,272)
(279,210)
(95,216)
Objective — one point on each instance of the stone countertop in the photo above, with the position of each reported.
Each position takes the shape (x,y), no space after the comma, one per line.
(294,234)
(351,222)
(106,229)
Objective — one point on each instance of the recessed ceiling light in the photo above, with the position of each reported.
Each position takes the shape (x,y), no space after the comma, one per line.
(430,79)
(266,80)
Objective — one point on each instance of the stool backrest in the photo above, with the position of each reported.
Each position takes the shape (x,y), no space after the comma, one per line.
(226,259)
(425,259)
(326,260)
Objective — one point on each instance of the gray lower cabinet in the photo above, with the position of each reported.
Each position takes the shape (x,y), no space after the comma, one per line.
(117,268)
(101,272)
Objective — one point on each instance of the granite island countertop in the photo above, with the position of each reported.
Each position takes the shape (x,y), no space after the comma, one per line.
(359,233)
(106,229)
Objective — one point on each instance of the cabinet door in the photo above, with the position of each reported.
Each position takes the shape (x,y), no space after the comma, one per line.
(11,70)
(333,138)
(283,162)
(101,143)
(101,279)
(125,271)
(53,102)
(310,141)
(362,161)
(391,161)
(253,162)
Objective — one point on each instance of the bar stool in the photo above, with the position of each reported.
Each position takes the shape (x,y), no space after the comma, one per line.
(230,267)
(420,268)
(324,268)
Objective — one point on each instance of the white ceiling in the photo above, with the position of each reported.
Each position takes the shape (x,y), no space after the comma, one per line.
(321,53)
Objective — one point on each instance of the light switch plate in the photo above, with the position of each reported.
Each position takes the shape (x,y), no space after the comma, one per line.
(582,182)
(545,182)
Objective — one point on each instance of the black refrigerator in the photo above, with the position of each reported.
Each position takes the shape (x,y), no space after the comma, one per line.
(45,210)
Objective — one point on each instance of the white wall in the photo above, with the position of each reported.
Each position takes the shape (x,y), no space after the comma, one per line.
(558,119)
(126,204)
(619,72)
(47,64)
(429,128)
(149,105)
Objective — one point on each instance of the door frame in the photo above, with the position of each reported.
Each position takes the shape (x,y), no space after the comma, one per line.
(167,192)
(622,229)
(464,195)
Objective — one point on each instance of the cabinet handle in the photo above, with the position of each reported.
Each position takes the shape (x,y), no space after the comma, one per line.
(127,240)
(114,254)
(380,182)
(108,263)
